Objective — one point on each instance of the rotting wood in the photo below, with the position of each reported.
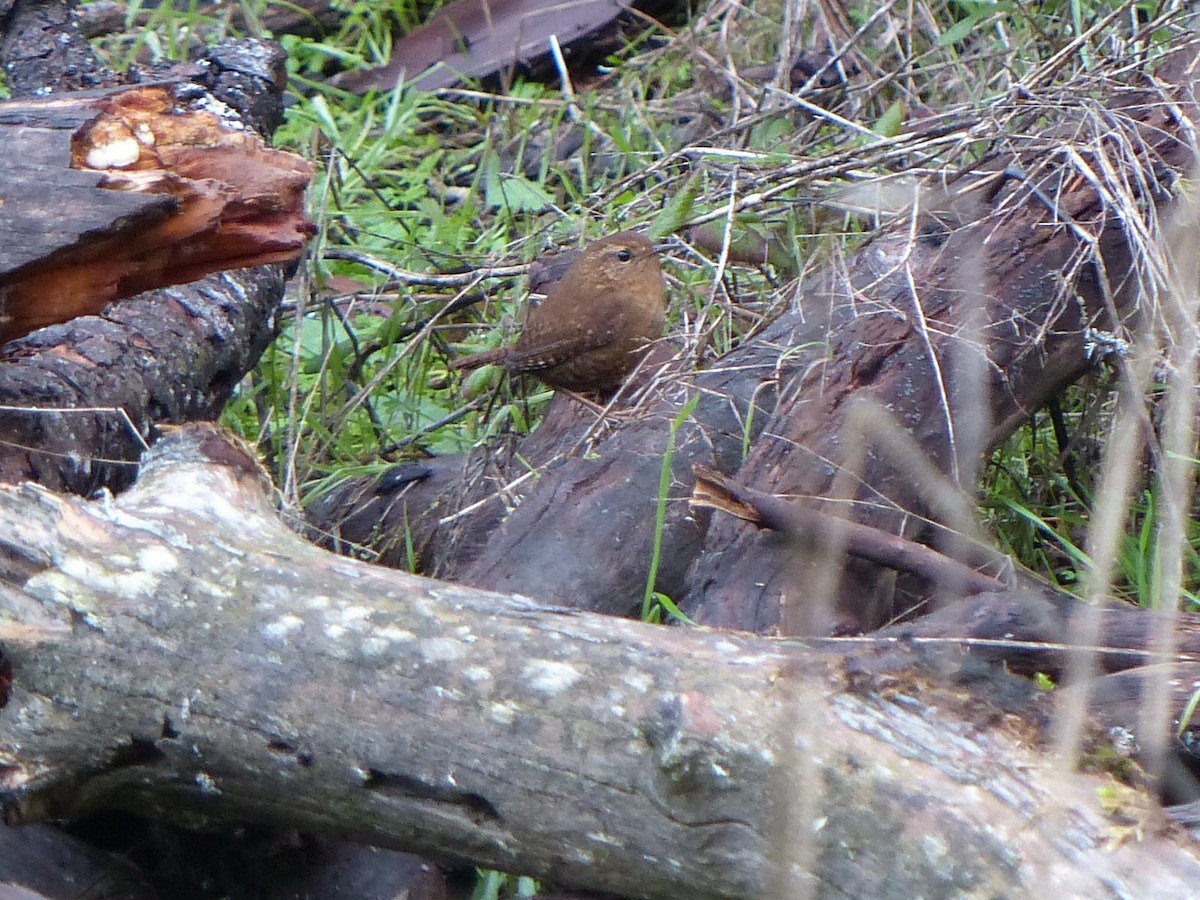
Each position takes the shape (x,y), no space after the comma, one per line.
(989,313)
(135,189)
(278,682)
(77,400)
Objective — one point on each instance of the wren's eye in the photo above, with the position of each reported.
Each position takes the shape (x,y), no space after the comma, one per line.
(623,255)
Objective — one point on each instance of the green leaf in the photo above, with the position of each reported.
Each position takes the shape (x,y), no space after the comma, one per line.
(660,513)
(512,192)
(678,209)
(959,30)
(888,125)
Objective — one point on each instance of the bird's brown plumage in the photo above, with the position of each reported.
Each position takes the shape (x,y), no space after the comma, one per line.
(589,332)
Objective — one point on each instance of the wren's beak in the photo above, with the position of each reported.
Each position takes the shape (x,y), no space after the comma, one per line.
(653,251)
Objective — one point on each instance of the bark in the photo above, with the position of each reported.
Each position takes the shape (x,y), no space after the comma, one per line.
(77,400)
(44,52)
(275,682)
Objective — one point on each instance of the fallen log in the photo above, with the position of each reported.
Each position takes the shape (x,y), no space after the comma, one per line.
(275,682)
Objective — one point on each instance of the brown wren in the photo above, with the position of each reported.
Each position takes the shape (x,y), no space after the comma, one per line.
(595,323)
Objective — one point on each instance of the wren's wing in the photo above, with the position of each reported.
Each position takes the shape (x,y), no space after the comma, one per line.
(531,354)
(475,360)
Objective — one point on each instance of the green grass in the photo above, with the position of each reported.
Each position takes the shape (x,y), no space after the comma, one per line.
(1042,519)
(656,604)
(493,885)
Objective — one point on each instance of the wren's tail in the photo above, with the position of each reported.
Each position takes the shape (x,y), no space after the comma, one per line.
(475,360)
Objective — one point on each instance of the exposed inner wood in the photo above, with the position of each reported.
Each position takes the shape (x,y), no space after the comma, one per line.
(160,190)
